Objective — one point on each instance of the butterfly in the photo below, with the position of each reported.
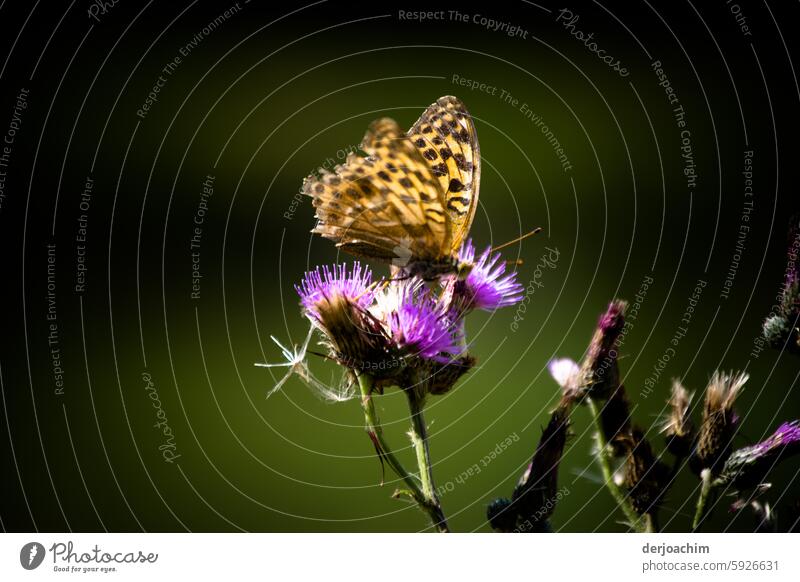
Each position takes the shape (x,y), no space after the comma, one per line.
(410,201)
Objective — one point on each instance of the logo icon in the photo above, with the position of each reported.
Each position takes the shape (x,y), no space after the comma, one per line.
(31,555)
(402,253)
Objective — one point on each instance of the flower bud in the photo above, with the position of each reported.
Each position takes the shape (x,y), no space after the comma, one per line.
(442,377)
(600,369)
(536,494)
(782,329)
(501,515)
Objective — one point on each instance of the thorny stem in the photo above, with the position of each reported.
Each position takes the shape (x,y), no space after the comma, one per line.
(419,438)
(702,498)
(619,496)
(375,431)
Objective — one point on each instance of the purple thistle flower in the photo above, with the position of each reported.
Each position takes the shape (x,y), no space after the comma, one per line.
(600,366)
(787,434)
(486,286)
(415,322)
(336,301)
(749,466)
(330,282)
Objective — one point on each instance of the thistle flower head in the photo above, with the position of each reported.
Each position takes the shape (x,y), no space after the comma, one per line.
(791,288)
(335,301)
(781,328)
(719,421)
(486,286)
(775,330)
(748,467)
(787,435)
(600,365)
(677,426)
(722,392)
(414,322)
(320,287)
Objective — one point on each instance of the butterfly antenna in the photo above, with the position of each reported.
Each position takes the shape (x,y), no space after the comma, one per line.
(516,240)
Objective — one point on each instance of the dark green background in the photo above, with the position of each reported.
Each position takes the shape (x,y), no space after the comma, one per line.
(272,98)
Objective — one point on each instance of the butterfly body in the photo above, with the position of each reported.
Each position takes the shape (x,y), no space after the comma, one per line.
(410,201)
(433,270)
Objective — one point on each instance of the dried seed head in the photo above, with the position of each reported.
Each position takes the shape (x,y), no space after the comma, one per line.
(719,421)
(568,375)
(677,427)
(646,478)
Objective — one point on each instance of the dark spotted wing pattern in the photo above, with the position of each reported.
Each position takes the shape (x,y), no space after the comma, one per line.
(387,206)
(446,137)
(412,197)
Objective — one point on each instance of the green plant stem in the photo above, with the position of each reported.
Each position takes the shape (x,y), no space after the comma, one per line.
(619,496)
(702,498)
(375,431)
(419,438)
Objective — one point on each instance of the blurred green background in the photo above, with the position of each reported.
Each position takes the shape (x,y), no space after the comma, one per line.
(258,103)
